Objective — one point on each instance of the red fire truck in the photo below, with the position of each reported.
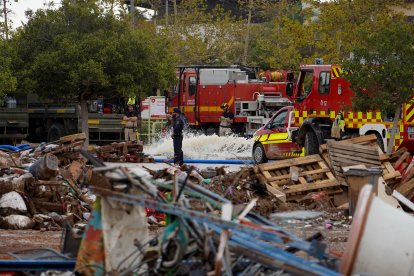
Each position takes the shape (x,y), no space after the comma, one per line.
(319,95)
(202,89)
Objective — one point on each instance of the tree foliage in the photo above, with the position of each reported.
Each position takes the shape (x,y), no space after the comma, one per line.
(79,51)
(8,81)
(282,41)
(336,25)
(204,37)
(382,68)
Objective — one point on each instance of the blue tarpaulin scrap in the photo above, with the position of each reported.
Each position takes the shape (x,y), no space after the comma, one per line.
(11,148)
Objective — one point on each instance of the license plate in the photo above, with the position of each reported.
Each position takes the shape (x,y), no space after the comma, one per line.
(410,129)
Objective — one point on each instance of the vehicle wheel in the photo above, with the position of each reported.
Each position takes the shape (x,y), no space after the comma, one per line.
(311,143)
(259,155)
(55,132)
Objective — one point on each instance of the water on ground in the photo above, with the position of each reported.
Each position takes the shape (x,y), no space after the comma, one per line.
(200,146)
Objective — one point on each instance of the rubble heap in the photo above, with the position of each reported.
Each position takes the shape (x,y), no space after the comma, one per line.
(403,162)
(123,152)
(205,232)
(293,180)
(40,188)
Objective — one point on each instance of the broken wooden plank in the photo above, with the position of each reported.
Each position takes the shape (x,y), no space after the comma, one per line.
(355,159)
(405,188)
(310,186)
(72,138)
(49,182)
(401,159)
(356,140)
(369,156)
(302,173)
(395,155)
(272,190)
(360,149)
(290,162)
(49,206)
(280,195)
(328,191)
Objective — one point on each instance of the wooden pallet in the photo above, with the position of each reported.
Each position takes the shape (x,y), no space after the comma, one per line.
(344,155)
(366,140)
(313,175)
(390,175)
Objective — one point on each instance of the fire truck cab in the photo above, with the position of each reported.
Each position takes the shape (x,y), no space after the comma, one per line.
(320,96)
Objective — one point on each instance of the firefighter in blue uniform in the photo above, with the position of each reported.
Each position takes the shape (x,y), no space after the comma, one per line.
(177,135)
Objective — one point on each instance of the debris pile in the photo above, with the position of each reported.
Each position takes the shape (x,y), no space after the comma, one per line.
(205,232)
(403,162)
(297,179)
(40,188)
(239,187)
(123,152)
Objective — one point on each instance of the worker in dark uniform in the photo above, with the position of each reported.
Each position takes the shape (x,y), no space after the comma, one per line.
(131,124)
(177,135)
(226,120)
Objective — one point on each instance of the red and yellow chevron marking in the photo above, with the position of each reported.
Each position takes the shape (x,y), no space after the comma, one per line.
(358,119)
(352,119)
(408,113)
(336,71)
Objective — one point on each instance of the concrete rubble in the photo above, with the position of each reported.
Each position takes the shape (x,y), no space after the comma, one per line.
(278,217)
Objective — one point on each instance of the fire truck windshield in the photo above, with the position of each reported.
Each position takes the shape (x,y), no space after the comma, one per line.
(305,84)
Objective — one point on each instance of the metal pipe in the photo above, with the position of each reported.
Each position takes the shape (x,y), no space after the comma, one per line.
(38,265)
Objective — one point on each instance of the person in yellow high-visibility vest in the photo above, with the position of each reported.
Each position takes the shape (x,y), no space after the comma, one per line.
(131,125)
(131,101)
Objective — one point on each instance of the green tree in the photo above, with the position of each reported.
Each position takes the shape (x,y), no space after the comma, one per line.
(382,69)
(79,52)
(335,24)
(8,81)
(283,40)
(203,36)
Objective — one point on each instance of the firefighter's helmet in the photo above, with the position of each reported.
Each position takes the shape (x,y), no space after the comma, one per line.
(224,106)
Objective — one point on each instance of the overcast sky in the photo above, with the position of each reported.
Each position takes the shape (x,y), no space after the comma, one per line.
(18,9)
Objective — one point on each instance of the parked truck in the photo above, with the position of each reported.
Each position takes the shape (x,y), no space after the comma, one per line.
(28,117)
(320,95)
(201,90)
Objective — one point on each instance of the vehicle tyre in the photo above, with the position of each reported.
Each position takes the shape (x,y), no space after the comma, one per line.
(311,143)
(55,132)
(259,155)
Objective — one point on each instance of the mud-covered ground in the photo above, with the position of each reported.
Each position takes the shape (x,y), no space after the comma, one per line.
(15,240)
